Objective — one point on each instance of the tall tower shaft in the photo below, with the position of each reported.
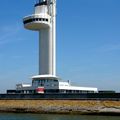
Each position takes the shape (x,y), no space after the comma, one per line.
(44,21)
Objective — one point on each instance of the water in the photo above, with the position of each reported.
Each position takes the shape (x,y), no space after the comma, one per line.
(9,116)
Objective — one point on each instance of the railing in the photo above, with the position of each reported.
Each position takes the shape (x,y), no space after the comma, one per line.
(87,96)
(36,16)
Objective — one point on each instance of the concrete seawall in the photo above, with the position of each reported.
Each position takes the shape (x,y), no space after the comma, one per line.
(61,106)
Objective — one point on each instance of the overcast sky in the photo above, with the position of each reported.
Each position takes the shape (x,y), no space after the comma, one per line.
(88,43)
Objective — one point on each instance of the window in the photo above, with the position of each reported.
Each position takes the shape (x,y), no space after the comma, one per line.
(47,20)
(39,19)
(35,19)
(55,80)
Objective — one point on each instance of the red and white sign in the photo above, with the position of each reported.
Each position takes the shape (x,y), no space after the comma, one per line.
(40,90)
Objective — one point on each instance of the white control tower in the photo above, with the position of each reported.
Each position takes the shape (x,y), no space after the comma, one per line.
(44,21)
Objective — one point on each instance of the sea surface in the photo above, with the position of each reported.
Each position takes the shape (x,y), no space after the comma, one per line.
(11,116)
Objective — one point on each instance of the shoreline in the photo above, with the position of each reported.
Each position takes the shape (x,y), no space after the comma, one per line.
(82,107)
(65,113)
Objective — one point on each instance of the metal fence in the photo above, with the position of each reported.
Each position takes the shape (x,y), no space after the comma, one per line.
(87,96)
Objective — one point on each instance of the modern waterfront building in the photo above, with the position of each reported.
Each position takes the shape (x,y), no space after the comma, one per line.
(44,21)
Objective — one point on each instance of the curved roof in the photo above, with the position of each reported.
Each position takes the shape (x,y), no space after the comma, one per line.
(45,76)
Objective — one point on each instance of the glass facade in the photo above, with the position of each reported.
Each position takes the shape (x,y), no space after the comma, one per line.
(45,82)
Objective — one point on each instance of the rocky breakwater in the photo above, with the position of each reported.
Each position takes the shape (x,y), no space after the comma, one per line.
(61,106)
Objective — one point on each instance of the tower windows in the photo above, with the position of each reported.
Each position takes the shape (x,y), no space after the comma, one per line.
(35,19)
(39,19)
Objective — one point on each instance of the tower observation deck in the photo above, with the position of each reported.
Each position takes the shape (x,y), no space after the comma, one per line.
(44,21)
